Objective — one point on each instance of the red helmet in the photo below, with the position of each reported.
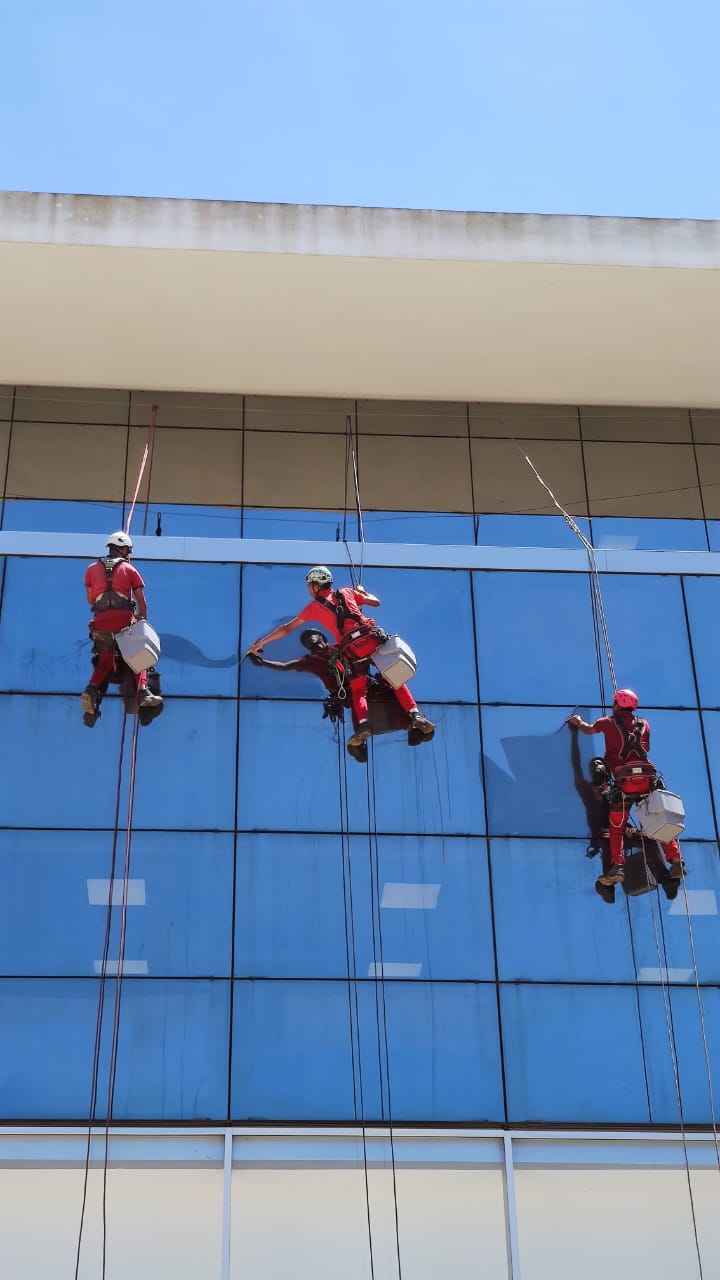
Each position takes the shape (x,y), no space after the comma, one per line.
(626,698)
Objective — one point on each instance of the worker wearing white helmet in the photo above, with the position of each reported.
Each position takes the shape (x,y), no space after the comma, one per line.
(115,592)
(357,637)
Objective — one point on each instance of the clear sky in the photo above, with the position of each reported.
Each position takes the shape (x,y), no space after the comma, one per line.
(548,106)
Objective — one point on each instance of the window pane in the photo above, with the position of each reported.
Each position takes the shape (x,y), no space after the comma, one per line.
(525,621)
(431,789)
(185,776)
(176,520)
(624,533)
(649,639)
(195,608)
(315,526)
(550,924)
(290,915)
(711,724)
(683,1010)
(536,772)
(433,527)
(420,604)
(179,903)
(573,1055)
(528,531)
(703,603)
(172,1054)
(51,516)
(292,1054)
(695,908)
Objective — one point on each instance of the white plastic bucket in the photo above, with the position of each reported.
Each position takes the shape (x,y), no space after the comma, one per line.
(139,645)
(395,661)
(661,815)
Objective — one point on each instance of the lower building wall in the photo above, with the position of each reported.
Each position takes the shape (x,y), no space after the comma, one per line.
(323,1206)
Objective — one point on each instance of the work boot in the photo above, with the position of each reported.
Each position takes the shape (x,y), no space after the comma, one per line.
(89,699)
(90,718)
(147,699)
(606,891)
(676,870)
(146,715)
(363,732)
(615,874)
(421,723)
(670,888)
(358,751)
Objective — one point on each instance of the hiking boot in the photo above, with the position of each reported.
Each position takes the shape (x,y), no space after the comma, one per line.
(147,714)
(89,699)
(421,723)
(676,870)
(358,751)
(670,888)
(615,874)
(147,699)
(90,718)
(606,891)
(363,732)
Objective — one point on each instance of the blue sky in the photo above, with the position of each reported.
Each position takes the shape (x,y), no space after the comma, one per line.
(548,106)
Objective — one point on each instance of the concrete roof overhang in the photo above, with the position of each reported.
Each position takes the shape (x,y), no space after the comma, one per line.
(375,303)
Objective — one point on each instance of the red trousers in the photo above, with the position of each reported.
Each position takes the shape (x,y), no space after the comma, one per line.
(358,655)
(106,651)
(618,820)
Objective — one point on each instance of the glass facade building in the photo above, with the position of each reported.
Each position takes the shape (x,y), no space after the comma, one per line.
(383,996)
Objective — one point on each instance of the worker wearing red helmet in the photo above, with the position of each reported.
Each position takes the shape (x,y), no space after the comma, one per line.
(627,743)
(357,638)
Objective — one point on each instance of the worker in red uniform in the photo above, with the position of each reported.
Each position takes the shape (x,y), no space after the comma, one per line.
(356,637)
(115,590)
(627,742)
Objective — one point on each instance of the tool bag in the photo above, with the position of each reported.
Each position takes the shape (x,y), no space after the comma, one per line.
(139,645)
(395,661)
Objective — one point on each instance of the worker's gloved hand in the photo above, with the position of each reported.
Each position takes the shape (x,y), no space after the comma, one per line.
(574,722)
(255,658)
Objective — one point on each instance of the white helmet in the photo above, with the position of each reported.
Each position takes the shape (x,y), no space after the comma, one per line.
(120,539)
(321,575)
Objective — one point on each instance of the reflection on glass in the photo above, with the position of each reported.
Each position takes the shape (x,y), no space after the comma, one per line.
(528,531)
(172,1049)
(179,903)
(573,1055)
(617,533)
(689,1043)
(695,909)
(294,894)
(550,924)
(703,604)
(648,635)
(292,1051)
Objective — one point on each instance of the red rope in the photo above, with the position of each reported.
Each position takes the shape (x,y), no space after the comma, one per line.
(147,451)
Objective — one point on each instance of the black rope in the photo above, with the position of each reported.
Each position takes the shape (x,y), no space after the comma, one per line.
(352,977)
(101,998)
(377,923)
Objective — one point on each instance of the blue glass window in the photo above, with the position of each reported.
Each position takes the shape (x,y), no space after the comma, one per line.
(64,777)
(290,912)
(528,531)
(178,520)
(573,1055)
(703,603)
(179,903)
(430,527)
(195,608)
(288,774)
(677,751)
(695,907)
(625,533)
(172,1056)
(55,516)
(535,638)
(430,608)
(683,1011)
(313,526)
(292,1051)
(536,772)
(648,634)
(550,924)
